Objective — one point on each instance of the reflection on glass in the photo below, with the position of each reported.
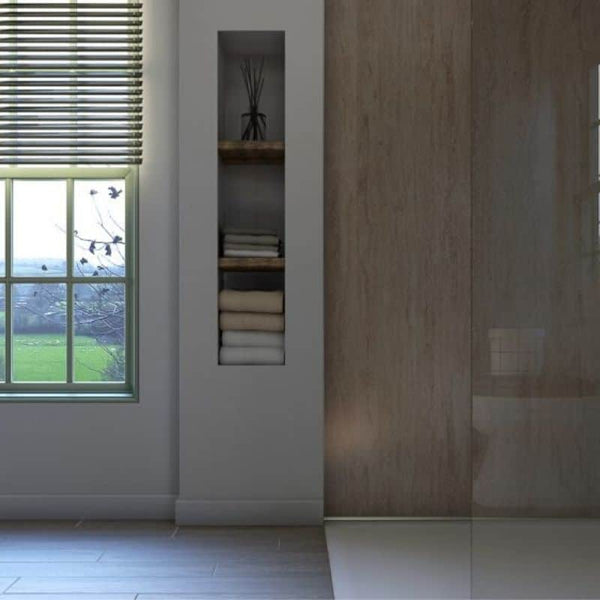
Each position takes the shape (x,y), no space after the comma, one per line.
(39,332)
(598,223)
(596,150)
(99,236)
(39,228)
(99,332)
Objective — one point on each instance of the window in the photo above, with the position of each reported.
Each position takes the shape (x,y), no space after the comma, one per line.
(70,112)
(67,281)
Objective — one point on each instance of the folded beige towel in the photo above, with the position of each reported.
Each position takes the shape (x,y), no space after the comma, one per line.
(251,253)
(254,302)
(253,338)
(247,321)
(251,356)
(255,240)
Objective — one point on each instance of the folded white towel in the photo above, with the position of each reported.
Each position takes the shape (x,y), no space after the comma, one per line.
(251,356)
(251,253)
(247,231)
(252,338)
(256,240)
(252,247)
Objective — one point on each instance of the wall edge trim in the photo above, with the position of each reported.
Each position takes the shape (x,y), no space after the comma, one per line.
(87,506)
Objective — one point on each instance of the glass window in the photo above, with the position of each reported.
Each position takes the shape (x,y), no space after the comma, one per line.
(67,284)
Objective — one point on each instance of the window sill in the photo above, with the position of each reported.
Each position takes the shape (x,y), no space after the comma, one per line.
(68,397)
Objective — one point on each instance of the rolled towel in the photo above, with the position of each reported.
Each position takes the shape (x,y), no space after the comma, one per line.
(251,356)
(254,302)
(251,253)
(252,338)
(246,321)
(250,247)
(255,240)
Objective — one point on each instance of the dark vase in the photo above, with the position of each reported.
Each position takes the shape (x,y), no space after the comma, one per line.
(254,125)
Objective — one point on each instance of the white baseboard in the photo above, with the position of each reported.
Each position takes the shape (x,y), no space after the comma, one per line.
(249,512)
(95,507)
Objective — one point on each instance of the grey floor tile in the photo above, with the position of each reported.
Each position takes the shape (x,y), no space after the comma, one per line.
(70,596)
(118,561)
(400,560)
(146,527)
(107,569)
(234,596)
(280,563)
(536,559)
(47,555)
(180,553)
(309,586)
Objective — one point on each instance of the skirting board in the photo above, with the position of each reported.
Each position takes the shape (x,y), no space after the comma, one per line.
(94,507)
(249,512)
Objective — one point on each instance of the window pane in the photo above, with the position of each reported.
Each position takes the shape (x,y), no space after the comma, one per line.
(99,332)
(2,332)
(2,227)
(99,235)
(39,228)
(39,332)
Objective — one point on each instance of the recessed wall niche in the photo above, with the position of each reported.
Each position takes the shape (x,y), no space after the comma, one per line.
(251,147)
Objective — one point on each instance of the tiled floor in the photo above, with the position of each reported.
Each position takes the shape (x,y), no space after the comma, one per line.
(154,561)
(389,560)
(535,559)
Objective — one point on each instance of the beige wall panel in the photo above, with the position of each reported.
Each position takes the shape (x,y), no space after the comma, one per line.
(398,257)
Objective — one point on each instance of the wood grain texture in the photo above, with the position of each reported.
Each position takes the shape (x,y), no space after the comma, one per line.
(535,223)
(397,257)
(242,152)
(251,264)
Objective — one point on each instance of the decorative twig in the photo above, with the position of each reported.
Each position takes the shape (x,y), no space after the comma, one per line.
(254,81)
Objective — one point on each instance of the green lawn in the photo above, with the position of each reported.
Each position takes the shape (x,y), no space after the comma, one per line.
(42,357)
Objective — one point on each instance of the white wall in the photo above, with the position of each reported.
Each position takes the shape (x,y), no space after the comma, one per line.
(251,445)
(73,460)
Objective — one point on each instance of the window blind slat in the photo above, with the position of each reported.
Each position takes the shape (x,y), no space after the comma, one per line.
(70,82)
(58,5)
(127,136)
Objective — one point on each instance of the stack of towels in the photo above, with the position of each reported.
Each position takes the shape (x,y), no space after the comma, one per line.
(251,243)
(252,326)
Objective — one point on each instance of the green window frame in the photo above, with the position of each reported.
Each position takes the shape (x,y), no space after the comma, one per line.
(72,390)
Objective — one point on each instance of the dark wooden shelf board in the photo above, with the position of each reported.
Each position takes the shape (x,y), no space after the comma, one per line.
(242,153)
(252,264)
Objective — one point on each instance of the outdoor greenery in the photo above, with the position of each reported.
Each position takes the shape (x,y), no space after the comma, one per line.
(42,357)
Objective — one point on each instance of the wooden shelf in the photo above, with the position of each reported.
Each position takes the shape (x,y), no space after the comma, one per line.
(252,264)
(254,153)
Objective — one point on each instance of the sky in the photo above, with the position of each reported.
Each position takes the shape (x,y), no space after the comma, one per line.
(39,216)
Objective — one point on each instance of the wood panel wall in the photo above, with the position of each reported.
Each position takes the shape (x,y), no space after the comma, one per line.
(398,297)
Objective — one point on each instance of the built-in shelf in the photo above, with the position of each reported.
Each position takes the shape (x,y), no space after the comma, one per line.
(256,153)
(252,264)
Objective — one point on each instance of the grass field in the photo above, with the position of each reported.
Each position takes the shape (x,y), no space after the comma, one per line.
(42,357)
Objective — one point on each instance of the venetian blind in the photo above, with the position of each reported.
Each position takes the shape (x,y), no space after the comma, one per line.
(70,82)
